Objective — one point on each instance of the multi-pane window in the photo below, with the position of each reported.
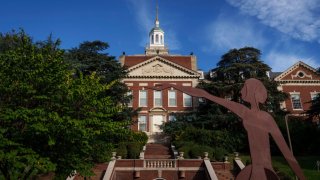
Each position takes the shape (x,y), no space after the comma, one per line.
(172,95)
(129,93)
(142,123)
(142,98)
(157,95)
(296,101)
(187,100)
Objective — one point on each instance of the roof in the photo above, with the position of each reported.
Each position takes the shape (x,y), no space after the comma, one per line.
(184,61)
(274,74)
(156,29)
(293,71)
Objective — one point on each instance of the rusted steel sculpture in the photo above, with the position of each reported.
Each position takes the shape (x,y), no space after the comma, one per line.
(258,124)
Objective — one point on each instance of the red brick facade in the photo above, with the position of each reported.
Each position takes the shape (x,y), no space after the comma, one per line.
(301,82)
(147,71)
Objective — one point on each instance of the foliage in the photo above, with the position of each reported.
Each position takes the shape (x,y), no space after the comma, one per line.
(307,163)
(122,150)
(234,68)
(314,111)
(53,118)
(134,150)
(90,57)
(302,132)
(213,125)
(131,146)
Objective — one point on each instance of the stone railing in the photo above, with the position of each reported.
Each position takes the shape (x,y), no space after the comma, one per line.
(237,163)
(160,163)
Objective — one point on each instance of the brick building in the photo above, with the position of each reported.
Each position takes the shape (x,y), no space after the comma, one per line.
(302,83)
(154,67)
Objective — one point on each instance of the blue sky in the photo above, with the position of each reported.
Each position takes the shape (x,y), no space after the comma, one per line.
(284,30)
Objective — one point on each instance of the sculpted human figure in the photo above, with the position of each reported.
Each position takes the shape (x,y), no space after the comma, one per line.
(258,124)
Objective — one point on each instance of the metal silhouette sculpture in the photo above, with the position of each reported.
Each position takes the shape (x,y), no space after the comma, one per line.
(258,124)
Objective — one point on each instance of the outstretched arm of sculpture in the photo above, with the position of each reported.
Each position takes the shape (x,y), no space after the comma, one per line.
(236,108)
(281,143)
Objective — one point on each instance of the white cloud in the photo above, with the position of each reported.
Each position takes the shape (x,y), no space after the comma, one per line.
(145,16)
(142,13)
(281,61)
(297,18)
(225,33)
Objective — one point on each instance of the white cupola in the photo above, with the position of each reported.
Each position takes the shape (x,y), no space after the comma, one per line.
(156,39)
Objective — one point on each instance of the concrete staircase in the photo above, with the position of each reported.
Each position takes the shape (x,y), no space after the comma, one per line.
(158,151)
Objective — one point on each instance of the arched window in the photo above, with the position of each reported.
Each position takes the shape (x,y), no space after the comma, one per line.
(161,39)
(157,38)
(152,39)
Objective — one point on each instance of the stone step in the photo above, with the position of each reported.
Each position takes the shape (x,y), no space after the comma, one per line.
(158,156)
(154,151)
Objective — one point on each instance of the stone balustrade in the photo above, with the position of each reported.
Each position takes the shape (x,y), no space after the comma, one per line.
(159,163)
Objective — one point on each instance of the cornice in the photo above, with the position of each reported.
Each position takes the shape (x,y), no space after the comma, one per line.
(163,60)
(292,68)
(299,81)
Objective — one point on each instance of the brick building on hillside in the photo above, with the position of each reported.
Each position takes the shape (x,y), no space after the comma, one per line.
(154,67)
(302,83)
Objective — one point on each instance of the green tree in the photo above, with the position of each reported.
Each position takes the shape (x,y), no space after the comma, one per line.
(91,57)
(234,68)
(314,111)
(226,80)
(51,120)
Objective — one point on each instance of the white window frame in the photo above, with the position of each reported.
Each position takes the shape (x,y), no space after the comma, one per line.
(154,98)
(313,95)
(184,100)
(140,92)
(292,103)
(175,98)
(145,122)
(130,93)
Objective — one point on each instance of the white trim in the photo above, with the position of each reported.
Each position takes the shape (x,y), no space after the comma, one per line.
(154,99)
(176,102)
(130,93)
(293,67)
(187,96)
(146,120)
(146,98)
(313,94)
(296,93)
(191,72)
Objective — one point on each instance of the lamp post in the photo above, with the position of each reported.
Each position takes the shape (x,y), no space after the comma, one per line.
(288,132)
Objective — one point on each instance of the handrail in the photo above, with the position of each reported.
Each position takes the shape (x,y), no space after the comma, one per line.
(109,171)
(210,169)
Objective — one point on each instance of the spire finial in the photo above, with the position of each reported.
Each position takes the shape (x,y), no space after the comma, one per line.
(157,7)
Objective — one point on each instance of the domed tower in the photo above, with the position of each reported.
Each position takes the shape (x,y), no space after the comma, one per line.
(156,40)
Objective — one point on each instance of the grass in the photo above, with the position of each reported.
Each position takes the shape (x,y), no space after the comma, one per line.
(307,163)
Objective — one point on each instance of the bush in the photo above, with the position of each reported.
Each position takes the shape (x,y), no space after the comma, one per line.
(185,146)
(219,153)
(122,150)
(198,150)
(133,150)
(140,137)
